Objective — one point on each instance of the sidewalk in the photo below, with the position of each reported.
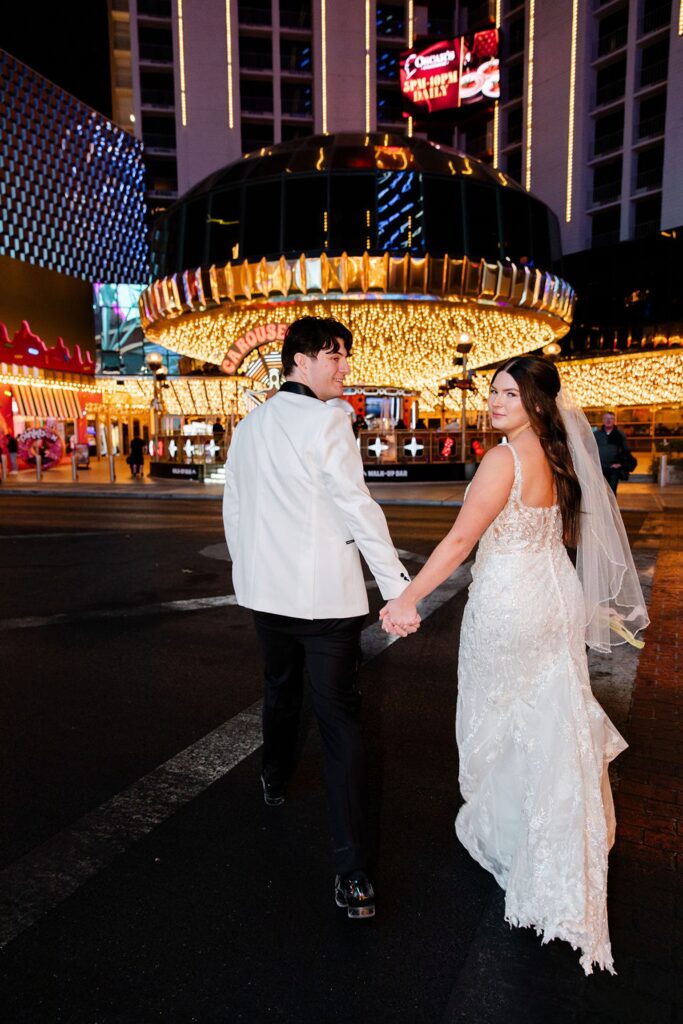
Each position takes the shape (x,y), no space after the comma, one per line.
(646,873)
(636,496)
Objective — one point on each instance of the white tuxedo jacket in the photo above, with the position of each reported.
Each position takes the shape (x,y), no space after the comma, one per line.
(297,512)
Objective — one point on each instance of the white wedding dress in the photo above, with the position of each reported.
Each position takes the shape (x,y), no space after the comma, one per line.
(534,743)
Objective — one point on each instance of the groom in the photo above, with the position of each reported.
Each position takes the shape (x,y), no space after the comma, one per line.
(297,513)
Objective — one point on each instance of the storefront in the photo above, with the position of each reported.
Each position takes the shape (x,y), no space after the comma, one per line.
(43,397)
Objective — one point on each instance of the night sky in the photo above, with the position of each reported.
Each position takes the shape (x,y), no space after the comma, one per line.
(65,42)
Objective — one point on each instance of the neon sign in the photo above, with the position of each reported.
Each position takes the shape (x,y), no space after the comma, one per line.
(248,342)
(451,73)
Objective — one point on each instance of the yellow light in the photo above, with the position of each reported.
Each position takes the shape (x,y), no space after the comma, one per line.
(572,100)
(529,96)
(645,378)
(680,19)
(496,111)
(411,22)
(408,342)
(323,61)
(368,82)
(181,55)
(228,40)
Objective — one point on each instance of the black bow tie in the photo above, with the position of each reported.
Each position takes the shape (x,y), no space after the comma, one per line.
(293,387)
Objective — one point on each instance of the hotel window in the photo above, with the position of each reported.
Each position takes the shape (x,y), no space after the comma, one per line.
(610,82)
(483,233)
(605,227)
(305,206)
(256,53)
(262,211)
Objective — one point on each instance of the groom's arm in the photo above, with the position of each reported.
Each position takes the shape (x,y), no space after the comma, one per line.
(231,505)
(342,471)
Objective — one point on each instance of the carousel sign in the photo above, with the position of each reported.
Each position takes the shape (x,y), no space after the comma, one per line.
(248,342)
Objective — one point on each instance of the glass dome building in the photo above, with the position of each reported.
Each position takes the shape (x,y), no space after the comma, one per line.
(408,242)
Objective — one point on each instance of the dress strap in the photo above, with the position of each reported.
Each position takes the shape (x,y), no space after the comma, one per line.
(516,491)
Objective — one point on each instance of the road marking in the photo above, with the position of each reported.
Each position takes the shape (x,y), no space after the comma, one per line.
(49,536)
(194,604)
(220,552)
(49,874)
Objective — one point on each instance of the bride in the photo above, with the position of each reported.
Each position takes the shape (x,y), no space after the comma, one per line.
(534,744)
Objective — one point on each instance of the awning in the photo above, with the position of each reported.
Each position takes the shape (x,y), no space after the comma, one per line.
(46,403)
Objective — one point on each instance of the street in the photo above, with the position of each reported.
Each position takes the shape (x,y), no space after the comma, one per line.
(143,878)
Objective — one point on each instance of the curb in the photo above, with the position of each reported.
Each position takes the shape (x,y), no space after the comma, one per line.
(151,495)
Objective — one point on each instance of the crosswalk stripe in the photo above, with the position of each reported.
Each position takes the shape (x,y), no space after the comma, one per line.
(49,874)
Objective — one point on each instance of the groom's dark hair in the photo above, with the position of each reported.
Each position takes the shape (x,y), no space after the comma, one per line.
(311,335)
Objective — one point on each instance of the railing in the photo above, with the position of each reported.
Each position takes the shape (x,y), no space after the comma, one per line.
(653,74)
(295,18)
(157,98)
(609,92)
(646,228)
(154,141)
(254,15)
(156,54)
(254,60)
(605,237)
(604,144)
(649,179)
(610,43)
(608,192)
(657,18)
(155,8)
(651,126)
(297,108)
(257,104)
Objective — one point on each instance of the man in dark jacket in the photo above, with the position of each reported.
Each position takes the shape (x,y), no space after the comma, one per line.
(613,449)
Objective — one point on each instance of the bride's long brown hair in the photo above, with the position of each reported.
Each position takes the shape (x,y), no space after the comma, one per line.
(539,385)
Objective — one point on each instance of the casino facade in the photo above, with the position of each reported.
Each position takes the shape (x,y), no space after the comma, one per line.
(409,243)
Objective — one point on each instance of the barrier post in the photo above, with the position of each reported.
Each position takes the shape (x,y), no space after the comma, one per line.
(663,459)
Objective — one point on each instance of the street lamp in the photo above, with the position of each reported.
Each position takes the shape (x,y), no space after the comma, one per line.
(552,349)
(463,347)
(155,363)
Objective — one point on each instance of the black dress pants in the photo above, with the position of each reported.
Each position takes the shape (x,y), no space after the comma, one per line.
(330,651)
(612,476)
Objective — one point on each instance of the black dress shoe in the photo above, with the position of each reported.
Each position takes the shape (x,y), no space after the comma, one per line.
(272,794)
(355,893)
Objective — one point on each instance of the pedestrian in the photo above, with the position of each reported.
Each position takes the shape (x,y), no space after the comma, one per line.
(136,457)
(615,458)
(298,515)
(12,449)
(534,744)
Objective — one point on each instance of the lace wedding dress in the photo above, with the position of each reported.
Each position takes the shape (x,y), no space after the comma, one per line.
(534,743)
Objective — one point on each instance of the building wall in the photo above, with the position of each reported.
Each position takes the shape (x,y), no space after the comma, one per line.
(72,183)
(627,140)
(55,305)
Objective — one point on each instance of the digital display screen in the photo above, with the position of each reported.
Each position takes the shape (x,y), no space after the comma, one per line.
(451,73)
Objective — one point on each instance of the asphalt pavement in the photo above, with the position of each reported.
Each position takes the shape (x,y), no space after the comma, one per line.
(142,877)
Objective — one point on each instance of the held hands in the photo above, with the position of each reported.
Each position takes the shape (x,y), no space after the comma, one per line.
(399,617)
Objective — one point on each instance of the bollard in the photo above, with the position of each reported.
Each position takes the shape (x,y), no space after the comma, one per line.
(112,468)
(39,468)
(663,470)
(3,468)
(74,468)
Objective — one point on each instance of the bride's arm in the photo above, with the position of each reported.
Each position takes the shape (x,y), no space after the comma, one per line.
(485,499)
